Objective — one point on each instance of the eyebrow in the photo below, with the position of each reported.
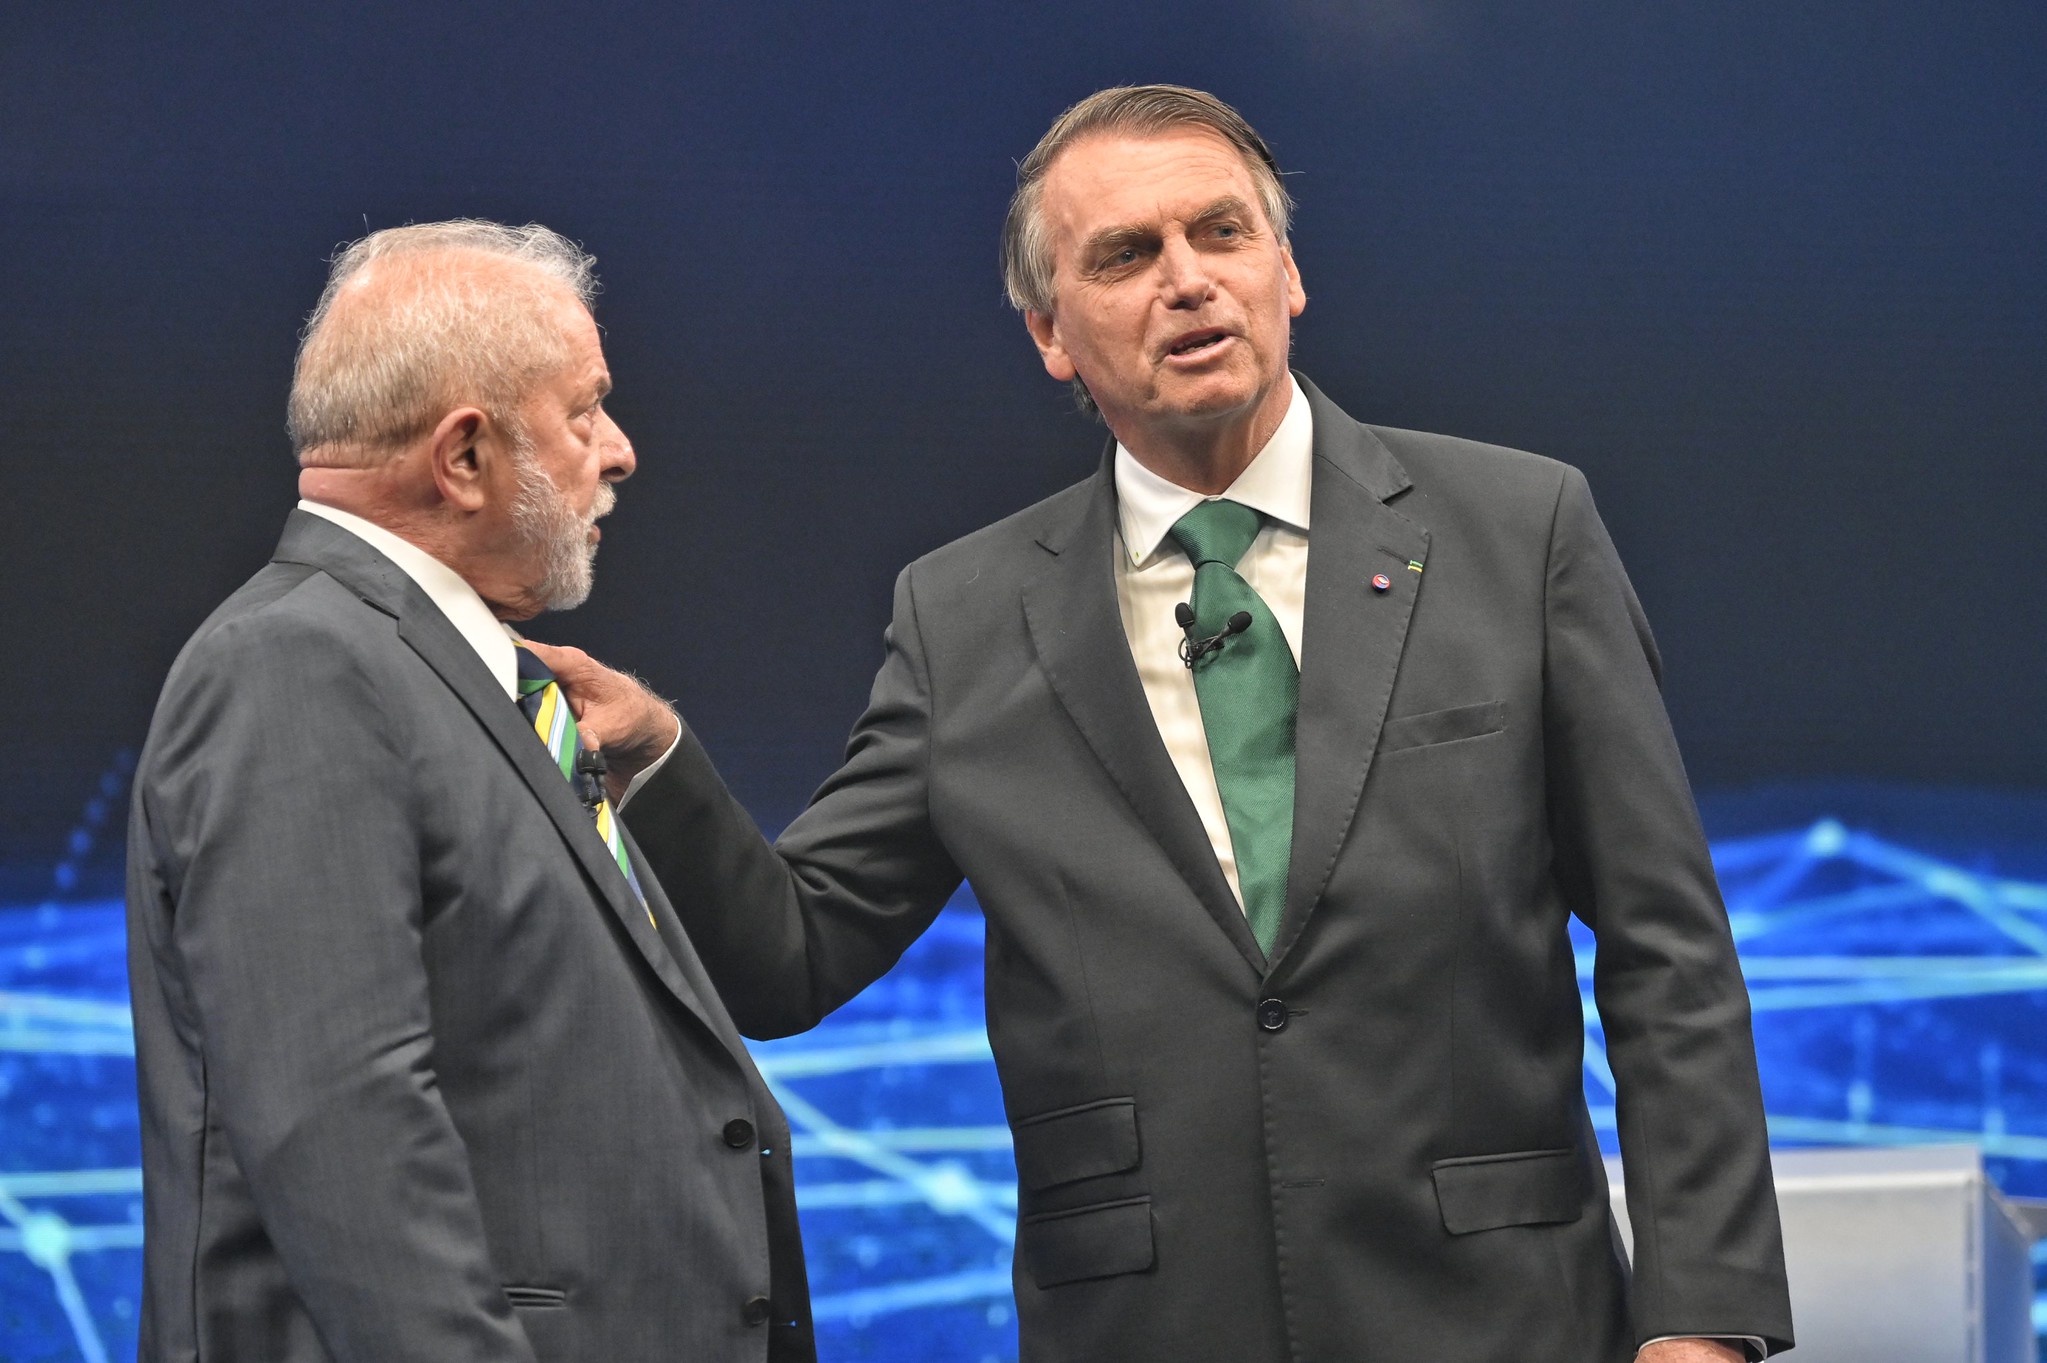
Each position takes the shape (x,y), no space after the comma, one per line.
(1228,206)
(1112,239)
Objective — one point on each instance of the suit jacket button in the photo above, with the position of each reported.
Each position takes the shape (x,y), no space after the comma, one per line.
(755,1312)
(739,1133)
(1272,1014)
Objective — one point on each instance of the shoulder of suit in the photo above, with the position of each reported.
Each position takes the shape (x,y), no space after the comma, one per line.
(284,606)
(1006,545)
(1452,466)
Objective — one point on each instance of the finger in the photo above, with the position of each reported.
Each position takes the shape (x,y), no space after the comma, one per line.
(562,660)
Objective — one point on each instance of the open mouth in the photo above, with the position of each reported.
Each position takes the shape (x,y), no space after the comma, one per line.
(1195,342)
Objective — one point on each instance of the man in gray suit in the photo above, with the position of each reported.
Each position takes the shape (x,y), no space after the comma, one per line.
(1278,754)
(429,1068)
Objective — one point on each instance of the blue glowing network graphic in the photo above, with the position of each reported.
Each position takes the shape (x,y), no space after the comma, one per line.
(1900,996)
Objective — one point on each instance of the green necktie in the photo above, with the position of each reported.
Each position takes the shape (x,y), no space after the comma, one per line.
(1250,691)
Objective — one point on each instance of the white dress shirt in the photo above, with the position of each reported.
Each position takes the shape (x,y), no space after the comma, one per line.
(492,639)
(1153,575)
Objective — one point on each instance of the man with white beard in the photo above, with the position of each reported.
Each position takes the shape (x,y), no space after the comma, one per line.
(429,1068)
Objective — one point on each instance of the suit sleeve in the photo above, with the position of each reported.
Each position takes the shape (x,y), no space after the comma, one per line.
(278,797)
(790,932)
(1708,1257)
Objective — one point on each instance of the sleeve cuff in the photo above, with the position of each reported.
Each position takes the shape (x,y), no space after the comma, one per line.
(647,772)
(1750,1343)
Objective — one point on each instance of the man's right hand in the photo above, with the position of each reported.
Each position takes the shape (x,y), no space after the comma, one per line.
(615,711)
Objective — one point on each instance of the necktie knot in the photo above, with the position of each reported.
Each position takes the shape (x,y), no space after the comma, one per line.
(1217,531)
(533,674)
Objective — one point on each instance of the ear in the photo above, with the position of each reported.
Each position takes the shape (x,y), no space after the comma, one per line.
(1045,333)
(461,471)
(1296,295)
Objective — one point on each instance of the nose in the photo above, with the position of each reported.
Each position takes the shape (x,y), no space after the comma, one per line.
(1184,277)
(617,451)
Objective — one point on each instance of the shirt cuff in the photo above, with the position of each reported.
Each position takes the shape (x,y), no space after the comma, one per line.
(1752,1343)
(647,772)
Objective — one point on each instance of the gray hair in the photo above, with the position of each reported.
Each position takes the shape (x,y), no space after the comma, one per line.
(1131,110)
(409,327)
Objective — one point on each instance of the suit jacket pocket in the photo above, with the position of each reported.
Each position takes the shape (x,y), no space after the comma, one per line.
(1526,1188)
(1100,1241)
(1443,726)
(1074,1143)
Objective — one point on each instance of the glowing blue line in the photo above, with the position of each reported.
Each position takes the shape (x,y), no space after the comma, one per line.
(1828,1131)
(77,1239)
(1947,882)
(2023,971)
(912,1138)
(965,1046)
(1747,923)
(886,1192)
(74,1183)
(1740,853)
(58,1008)
(1996,1145)
(47,1240)
(1773,886)
(1781,998)
(974,1285)
(1990,969)
(73,1301)
(43,1041)
(947,1188)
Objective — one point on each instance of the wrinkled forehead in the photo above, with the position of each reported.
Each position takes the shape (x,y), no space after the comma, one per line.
(1123,180)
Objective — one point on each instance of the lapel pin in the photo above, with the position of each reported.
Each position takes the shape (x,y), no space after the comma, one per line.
(1381,582)
(1414,565)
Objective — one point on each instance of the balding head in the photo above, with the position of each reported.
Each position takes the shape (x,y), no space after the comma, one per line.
(450,388)
(418,320)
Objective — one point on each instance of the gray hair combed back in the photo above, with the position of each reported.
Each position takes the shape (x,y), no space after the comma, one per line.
(1132,111)
(373,373)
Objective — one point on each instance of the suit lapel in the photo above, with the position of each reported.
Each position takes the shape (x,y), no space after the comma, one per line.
(682,954)
(1077,630)
(1352,635)
(316,543)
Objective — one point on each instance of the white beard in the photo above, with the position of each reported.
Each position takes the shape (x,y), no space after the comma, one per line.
(556,535)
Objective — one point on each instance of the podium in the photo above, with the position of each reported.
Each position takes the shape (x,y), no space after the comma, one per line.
(1900,1256)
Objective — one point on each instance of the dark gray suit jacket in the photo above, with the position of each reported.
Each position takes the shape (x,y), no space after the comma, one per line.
(1374,1146)
(419,1078)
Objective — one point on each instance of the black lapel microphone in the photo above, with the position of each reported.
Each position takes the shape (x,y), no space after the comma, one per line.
(590,770)
(1193,650)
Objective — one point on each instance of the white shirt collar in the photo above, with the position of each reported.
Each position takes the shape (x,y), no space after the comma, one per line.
(1276,483)
(490,637)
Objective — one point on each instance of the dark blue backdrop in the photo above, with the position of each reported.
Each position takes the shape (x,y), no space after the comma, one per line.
(1770,274)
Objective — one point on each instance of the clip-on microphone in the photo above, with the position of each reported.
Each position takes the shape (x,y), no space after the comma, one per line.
(590,770)
(1193,650)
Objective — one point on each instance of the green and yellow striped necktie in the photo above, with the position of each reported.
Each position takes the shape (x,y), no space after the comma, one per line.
(547,710)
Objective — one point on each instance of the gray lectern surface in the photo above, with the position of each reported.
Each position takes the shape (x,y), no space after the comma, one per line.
(1900,1256)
